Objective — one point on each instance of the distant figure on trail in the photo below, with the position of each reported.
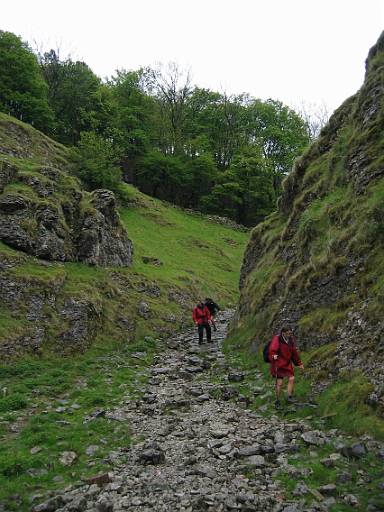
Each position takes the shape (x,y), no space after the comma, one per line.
(201,317)
(213,309)
(282,352)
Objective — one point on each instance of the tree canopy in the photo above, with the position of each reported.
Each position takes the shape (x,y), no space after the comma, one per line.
(198,148)
(23,90)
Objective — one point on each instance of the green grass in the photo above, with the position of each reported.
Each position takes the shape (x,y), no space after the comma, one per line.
(11,322)
(94,380)
(193,250)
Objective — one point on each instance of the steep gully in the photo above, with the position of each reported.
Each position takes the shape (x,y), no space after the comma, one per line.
(197,447)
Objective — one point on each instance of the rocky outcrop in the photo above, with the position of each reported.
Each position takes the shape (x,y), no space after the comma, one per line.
(317,262)
(45,212)
(102,239)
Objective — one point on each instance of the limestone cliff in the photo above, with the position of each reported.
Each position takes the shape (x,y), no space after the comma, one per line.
(43,209)
(318,262)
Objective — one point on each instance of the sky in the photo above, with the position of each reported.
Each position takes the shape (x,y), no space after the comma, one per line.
(308,52)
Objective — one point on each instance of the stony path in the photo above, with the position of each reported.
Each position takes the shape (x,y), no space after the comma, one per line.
(194,450)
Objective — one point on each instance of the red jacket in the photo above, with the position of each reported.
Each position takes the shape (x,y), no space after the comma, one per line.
(201,315)
(287,353)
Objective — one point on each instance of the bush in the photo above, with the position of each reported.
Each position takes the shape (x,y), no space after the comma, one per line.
(96,162)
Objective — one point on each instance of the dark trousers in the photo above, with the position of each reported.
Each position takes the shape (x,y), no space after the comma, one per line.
(200,329)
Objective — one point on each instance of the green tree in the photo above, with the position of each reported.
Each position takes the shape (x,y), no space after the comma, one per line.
(280,133)
(23,91)
(162,176)
(132,122)
(172,88)
(96,162)
(76,96)
(245,191)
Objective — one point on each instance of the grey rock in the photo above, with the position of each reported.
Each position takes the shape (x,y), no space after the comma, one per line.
(300,489)
(103,240)
(313,438)
(358,450)
(351,499)
(235,376)
(247,451)
(35,449)
(104,505)
(152,456)
(77,505)
(343,477)
(68,458)
(205,470)
(328,489)
(256,460)
(50,505)
(92,449)
(144,310)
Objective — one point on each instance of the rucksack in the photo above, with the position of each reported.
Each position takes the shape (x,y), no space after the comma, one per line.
(266,351)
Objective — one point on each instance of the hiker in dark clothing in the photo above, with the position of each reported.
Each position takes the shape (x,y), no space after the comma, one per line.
(201,316)
(282,352)
(213,309)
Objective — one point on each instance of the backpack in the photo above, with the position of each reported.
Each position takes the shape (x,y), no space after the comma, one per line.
(266,351)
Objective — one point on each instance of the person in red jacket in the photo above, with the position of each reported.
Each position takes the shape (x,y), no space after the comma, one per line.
(282,352)
(201,316)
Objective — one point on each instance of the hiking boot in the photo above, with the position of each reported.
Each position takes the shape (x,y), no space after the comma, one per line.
(290,400)
(277,405)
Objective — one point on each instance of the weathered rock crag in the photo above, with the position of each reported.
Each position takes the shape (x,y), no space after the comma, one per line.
(317,262)
(45,212)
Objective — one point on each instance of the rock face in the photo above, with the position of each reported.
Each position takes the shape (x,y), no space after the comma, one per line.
(102,240)
(45,212)
(317,262)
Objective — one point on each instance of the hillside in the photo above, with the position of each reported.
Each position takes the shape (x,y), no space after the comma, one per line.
(317,263)
(87,289)
(50,226)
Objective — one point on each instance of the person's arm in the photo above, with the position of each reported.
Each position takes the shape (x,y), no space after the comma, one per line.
(295,355)
(208,313)
(274,349)
(194,316)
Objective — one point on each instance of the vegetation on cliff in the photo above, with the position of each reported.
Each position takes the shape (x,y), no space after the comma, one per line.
(317,262)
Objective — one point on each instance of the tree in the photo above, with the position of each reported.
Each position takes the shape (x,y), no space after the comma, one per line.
(161,175)
(132,123)
(245,191)
(97,162)
(172,88)
(23,91)
(75,96)
(281,134)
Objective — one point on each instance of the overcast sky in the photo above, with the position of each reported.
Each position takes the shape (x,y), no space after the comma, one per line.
(292,50)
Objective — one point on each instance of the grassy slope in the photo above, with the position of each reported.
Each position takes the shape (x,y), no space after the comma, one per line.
(193,250)
(199,258)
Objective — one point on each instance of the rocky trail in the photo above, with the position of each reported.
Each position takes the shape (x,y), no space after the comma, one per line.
(197,447)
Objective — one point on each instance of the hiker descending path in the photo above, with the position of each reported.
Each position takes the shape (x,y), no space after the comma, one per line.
(194,448)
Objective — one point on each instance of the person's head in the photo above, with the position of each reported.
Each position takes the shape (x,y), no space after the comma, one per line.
(208,299)
(286,330)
